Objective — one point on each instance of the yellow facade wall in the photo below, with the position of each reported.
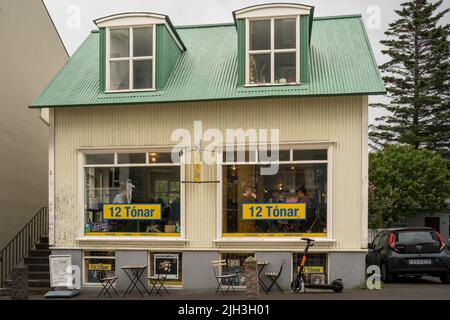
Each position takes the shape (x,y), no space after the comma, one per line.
(341,121)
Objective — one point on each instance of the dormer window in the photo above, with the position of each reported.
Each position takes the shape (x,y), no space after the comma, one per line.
(273,44)
(273,51)
(138,51)
(130,53)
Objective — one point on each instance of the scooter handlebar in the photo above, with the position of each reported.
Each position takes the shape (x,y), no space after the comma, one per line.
(309,241)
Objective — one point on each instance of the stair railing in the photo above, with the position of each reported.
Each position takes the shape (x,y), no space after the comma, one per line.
(16,250)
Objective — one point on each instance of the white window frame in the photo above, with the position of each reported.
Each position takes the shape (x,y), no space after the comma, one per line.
(84,271)
(82,185)
(272,51)
(283,146)
(130,59)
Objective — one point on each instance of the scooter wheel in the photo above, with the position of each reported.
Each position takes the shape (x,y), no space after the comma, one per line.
(337,285)
(296,285)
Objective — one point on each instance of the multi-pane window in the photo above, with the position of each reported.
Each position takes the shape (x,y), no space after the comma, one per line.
(273,52)
(131,59)
(121,188)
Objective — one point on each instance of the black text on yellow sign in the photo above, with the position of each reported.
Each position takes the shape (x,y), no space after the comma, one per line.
(151,211)
(274,211)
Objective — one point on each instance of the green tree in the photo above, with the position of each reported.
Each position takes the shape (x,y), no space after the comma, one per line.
(417,80)
(403,181)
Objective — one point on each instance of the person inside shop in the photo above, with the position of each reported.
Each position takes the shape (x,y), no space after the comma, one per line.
(312,213)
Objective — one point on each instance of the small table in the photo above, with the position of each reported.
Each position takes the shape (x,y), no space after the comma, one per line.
(261,265)
(134,273)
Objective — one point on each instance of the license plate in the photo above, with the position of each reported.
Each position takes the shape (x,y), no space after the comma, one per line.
(419,261)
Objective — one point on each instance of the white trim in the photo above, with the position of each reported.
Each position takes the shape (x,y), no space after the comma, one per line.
(128,19)
(364,172)
(51,178)
(272,51)
(276,9)
(131,59)
(295,240)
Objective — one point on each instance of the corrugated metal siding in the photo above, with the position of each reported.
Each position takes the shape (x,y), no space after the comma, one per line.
(240,25)
(341,63)
(336,120)
(167,55)
(304,48)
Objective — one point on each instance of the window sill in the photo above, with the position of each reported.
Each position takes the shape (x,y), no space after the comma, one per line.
(296,240)
(131,239)
(253,85)
(129,91)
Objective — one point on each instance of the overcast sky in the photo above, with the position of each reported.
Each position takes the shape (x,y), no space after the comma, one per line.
(73,18)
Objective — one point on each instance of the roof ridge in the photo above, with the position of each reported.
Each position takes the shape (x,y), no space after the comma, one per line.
(206,25)
(344,16)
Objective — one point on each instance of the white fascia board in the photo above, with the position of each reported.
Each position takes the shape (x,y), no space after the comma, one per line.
(272,10)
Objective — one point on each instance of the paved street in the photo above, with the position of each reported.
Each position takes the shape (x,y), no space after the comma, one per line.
(426,288)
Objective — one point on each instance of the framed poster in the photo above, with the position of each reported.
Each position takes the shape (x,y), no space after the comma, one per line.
(160,260)
(60,270)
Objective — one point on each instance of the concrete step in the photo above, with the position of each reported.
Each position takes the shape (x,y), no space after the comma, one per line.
(4,292)
(39,267)
(39,253)
(43,240)
(33,283)
(39,275)
(35,260)
(42,246)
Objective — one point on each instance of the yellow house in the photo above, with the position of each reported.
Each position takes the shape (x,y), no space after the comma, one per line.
(135,177)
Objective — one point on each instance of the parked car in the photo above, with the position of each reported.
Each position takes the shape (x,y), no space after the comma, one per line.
(410,251)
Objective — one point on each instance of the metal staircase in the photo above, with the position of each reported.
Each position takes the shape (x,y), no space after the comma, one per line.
(29,247)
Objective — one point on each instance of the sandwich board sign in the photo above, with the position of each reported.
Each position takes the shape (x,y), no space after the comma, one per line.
(64,277)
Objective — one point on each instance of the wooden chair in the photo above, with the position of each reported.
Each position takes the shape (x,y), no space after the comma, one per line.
(218,269)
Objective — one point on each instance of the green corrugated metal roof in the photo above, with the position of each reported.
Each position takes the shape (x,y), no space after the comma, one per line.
(342,63)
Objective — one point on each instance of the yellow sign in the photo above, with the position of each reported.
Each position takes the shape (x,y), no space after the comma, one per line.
(274,211)
(311,269)
(99,266)
(132,211)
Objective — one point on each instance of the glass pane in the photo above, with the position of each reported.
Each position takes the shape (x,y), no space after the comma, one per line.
(310,155)
(142,74)
(131,186)
(142,42)
(99,158)
(124,158)
(293,183)
(160,157)
(119,75)
(120,43)
(260,68)
(285,35)
(268,155)
(285,69)
(260,35)
(239,156)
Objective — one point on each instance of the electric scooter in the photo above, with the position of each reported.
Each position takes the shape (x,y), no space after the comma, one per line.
(299,283)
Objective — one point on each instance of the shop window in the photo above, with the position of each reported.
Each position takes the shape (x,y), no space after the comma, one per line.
(132,200)
(273,51)
(299,188)
(235,264)
(130,60)
(158,261)
(98,264)
(315,269)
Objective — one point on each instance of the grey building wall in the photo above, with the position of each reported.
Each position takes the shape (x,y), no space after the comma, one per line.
(348,266)
(31,54)
(419,221)
(197,270)
(275,260)
(130,257)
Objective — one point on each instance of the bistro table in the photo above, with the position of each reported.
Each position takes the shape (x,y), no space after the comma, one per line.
(134,273)
(261,266)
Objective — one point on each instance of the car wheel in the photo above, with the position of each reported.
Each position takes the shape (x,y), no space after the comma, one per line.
(445,278)
(386,277)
